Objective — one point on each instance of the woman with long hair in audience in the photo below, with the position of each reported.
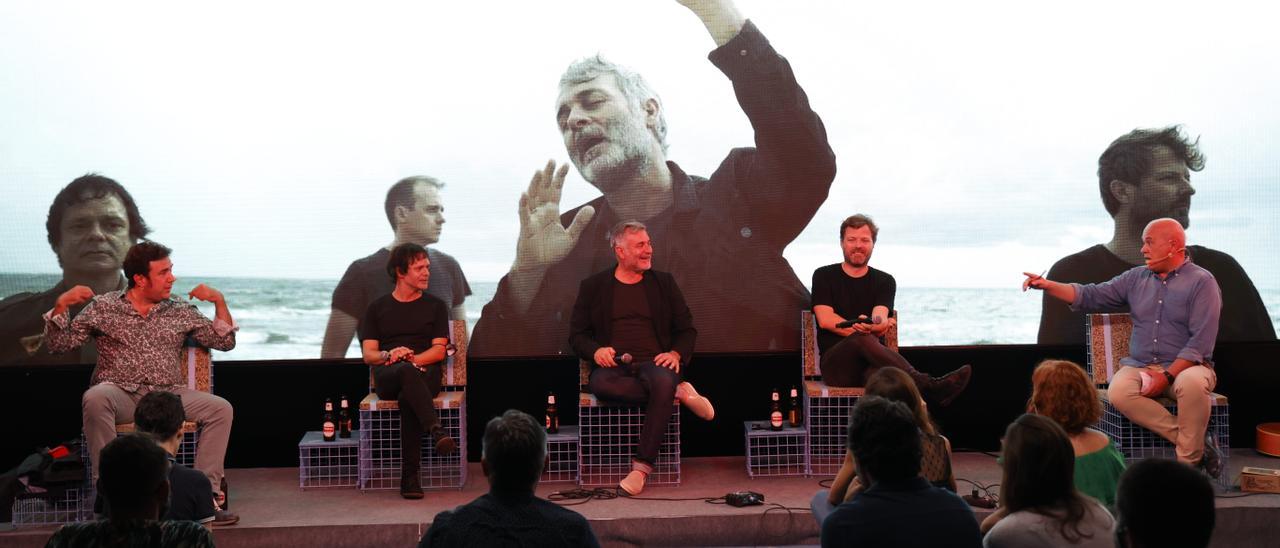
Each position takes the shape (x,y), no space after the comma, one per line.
(1039,503)
(1060,390)
(895,385)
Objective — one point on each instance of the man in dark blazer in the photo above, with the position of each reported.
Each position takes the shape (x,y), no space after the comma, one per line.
(633,324)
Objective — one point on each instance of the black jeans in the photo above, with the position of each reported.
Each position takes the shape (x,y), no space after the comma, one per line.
(853,360)
(643,383)
(414,390)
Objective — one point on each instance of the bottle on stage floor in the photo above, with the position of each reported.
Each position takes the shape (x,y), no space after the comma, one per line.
(344,418)
(553,416)
(775,414)
(793,408)
(329,428)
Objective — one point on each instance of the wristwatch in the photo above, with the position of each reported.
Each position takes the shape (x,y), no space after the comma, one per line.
(385,357)
(1168,377)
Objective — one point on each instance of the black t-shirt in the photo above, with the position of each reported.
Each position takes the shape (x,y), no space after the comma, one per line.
(849,296)
(632,329)
(191,495)
(412,325)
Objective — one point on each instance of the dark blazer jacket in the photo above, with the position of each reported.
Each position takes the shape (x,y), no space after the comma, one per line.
(591,326)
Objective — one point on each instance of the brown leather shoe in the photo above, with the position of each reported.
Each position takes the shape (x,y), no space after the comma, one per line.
(445,445)
(943,390)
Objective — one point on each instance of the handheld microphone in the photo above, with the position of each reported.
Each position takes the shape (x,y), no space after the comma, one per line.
(849,323)
(625,358)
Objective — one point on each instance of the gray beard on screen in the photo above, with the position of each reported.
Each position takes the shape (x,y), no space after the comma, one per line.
(627,146)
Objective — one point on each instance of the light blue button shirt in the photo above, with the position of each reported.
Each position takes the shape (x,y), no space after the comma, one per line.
(1174,317)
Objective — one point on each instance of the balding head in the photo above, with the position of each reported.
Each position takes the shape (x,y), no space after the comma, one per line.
(1166,229)
(1164,245)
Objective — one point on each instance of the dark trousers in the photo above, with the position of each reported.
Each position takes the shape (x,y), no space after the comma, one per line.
(643,383)
(414,390)
(853,360)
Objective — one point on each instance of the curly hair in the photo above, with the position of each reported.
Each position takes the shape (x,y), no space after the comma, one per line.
(1128,159)
(1062,391)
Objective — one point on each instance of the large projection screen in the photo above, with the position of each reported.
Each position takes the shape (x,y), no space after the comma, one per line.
(259,141)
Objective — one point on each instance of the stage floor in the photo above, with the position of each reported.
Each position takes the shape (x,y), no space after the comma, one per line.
(276,513)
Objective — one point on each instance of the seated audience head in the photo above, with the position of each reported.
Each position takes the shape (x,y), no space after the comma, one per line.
(896,385)
(1039,473)
(402,256)
(514,452)
(133,478)
(160,415)
(1162,502)
(1060,390)
(884,439)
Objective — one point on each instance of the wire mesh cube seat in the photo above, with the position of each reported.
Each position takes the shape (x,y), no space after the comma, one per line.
(776,452)
(328,463)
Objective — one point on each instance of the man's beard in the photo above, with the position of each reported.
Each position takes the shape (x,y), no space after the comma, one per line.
(626,147)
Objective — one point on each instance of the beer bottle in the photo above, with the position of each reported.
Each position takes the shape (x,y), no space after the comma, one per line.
(793,407)
(344,419)
(775,414)
(329,428)
(553,416)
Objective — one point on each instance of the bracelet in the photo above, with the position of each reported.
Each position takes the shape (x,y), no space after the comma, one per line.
(385,356)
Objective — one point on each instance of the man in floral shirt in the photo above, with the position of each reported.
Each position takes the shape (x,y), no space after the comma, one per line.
(140,332)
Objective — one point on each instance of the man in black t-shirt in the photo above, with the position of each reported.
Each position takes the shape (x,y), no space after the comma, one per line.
(633,324)
(510,514)
(852,290)
(404,336)
(160,415)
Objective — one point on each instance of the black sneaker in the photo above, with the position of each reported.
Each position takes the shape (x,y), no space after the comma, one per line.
(1211,458)
(944,389)
(410,486)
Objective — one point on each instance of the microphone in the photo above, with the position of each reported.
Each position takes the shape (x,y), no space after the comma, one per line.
(849,323)
(625,358)
(1165,258)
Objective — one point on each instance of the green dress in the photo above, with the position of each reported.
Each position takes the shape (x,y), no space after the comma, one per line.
(1098,473)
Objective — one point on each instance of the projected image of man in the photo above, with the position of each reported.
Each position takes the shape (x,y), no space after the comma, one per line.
(723,235)
(1145,175)
(416,213)
(92,223)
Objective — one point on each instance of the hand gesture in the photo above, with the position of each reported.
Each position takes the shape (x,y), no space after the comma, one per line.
(604,356)
(205,293)
(669,360)
(543,240)
(1034,281)
(72,297)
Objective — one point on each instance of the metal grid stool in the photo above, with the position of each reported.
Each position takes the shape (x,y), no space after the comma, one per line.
(776,452)
(562,456)
(328,463)
(380,456)
(1137,443)
(826,416)
(608,438)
